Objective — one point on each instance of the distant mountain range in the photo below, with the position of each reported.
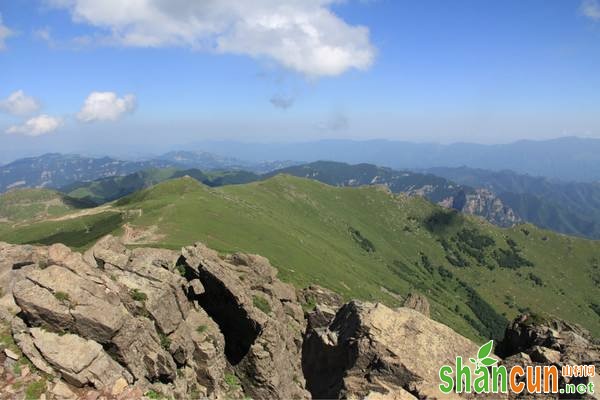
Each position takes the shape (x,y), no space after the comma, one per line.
(502,197)
(567,158)
(438,190)
(55,170)
(567,207)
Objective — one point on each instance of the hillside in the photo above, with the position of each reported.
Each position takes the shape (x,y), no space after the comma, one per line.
(567,207)
(361,242)
(468,199)
(104,190)
(27,205)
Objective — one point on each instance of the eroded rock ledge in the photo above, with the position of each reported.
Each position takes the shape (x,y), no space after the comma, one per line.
(127,324)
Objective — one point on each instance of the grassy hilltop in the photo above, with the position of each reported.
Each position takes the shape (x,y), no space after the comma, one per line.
(362,242)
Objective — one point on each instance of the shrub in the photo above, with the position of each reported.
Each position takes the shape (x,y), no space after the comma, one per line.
(261,303)
(62,297)
(201,328)
(535,279)
(137,295)
(232,381)
(165,342)
(596,308)
(34,390)
(362,241)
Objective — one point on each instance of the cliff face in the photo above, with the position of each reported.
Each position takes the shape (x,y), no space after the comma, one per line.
(138,323)
(486,204)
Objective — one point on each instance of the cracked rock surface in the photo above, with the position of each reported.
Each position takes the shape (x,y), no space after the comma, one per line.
(120,323)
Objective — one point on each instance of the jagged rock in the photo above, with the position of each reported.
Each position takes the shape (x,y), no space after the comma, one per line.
(320,316)
(417,302)
(372,348)
(61,391)
(545,355)
(534,340)
(15,263)
(80,361)
(321,304)
(64,301)
(24,340)
(315,294)
(262,341)
(138,346)
(531,334)
(199,344)
(108,250)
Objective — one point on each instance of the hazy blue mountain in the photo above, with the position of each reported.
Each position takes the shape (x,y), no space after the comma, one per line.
(212,162)
(567,207)
(56,170)
(568,158)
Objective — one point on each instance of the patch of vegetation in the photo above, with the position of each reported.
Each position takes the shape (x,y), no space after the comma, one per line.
(537,281)
(310,304)
(180,268)
(440,220)
(62,297)
(154,395)
(34,390)
(494,323)
(138,295)
(596,308)
(445,273)
(512,257)
(165,342)
(232,381)
(426,263)
(201,329)
(262,304)
(362,241)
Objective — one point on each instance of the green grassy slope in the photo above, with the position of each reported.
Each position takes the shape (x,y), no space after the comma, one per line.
(367,243)
(25,205)
(108,189)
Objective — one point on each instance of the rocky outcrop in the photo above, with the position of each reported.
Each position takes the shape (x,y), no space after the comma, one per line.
(535,340)
(370,350)
(259,317)
(417,302)
(486,204)
(182,324)
(121,323)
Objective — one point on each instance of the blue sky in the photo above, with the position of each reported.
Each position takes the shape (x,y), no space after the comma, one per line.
(424,70)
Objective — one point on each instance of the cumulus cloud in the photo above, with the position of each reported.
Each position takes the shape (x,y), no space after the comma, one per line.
(591,9)
(36,126)
(19,103)
(106,106)
(4,34)
(301,35)
(281,101)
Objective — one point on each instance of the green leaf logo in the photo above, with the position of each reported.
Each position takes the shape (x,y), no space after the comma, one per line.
(485,350)
(483,356)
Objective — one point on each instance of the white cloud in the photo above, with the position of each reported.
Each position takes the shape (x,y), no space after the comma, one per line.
(106,106)
(302,35)
(591,9)
(4,34)
(18,103)
(36,126)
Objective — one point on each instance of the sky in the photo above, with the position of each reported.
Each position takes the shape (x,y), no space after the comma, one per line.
(144,76)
